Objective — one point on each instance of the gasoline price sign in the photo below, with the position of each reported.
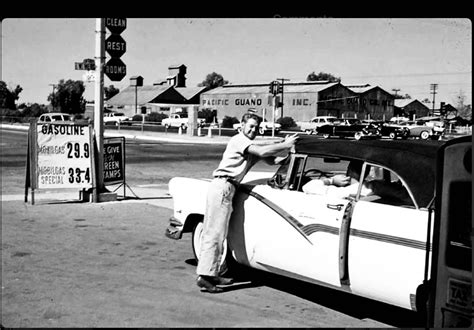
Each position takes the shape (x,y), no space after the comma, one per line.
(63,156)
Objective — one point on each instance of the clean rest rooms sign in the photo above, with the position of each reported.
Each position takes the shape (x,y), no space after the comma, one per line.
(63,156)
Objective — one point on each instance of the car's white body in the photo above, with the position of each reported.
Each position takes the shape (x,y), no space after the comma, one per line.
(310,250)
(115,118)
(310,126)
(54,116)
(176,120)
(356,244)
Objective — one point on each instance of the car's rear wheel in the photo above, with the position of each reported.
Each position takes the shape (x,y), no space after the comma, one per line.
(425,135)
(325,136)
(261,130)
(392,135)
(196,243)
(167,126)
(357,135)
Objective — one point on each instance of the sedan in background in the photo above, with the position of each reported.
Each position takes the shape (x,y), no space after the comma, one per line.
(349,128)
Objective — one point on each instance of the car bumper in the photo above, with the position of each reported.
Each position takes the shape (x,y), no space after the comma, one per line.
(174,229)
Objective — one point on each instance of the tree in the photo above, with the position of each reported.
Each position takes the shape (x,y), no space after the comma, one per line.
(8,96)
(464,111)
(322,76)
(34,110)
(68,97)
(213,80)
(110,91)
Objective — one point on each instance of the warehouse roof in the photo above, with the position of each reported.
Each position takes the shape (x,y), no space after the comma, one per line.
(401,103)
(145,94)
(189,92)
(263,88)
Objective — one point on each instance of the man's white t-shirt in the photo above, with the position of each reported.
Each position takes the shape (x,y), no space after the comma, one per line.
(236,161)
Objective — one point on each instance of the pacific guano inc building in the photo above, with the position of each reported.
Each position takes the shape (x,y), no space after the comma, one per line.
(301,101)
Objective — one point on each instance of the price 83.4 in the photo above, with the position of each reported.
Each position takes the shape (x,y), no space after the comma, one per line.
(74,150)
(78,175)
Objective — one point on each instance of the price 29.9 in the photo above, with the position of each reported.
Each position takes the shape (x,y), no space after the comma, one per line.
(74,150)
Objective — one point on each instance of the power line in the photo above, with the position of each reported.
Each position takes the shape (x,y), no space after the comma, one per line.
(412,74)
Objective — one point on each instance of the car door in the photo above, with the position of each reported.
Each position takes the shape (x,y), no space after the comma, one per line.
(386,252)
(288,232)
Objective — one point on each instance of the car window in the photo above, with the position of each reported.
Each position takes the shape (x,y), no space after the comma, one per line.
(386,187)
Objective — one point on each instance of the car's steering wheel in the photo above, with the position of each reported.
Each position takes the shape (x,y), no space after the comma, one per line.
(315,173)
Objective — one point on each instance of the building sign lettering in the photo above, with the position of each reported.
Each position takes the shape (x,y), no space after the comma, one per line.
(301,102)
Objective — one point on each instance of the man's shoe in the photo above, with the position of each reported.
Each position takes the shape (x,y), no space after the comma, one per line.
(222,280)
(206,285)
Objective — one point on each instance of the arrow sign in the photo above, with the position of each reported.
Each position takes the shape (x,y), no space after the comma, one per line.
(115,45)
(115,69)
(116,25)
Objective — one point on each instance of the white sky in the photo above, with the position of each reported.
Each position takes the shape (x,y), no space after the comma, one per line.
(407,54)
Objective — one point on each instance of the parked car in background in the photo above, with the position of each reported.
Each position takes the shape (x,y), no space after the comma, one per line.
(348,127)
(438,124)
(420,131)
(310,126)
(180,120)
(265,126)
(116,118)
(376,244)
(55,116)
(391,130)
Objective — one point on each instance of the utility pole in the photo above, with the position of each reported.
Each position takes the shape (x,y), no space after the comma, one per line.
(282,88)
(433,88)
(396,90)
(53,98)
(99,105)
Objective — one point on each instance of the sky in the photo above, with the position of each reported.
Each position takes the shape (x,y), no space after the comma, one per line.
(409,54)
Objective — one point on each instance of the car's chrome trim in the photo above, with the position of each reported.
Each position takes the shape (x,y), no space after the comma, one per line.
(316,227)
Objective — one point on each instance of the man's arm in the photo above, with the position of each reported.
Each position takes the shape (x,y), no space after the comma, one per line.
(268,150)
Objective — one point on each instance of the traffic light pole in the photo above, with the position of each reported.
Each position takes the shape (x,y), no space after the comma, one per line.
(99,106)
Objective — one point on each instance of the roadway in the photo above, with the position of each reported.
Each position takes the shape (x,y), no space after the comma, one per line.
(109,264)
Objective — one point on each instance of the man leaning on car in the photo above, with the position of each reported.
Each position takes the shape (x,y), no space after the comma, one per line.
(239,156)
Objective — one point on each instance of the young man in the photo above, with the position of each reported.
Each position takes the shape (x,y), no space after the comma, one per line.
(240,155)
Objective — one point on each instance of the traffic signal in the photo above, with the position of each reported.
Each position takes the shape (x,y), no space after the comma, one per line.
(271,89)
(280,88)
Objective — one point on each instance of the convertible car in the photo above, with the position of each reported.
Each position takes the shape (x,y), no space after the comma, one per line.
(349,128)
(373,239)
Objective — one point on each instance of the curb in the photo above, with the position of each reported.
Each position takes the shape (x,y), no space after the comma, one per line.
(157,137)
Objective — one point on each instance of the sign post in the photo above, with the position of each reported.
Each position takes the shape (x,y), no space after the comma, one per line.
(99,107)
(60,155)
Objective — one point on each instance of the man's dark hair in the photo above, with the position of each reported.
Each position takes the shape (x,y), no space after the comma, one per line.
(251,115)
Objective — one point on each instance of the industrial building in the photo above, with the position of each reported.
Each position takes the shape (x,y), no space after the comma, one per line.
(168,95)
(300,100)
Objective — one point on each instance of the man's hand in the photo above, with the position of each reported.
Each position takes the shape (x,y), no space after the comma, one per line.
(340,180)
(290,140)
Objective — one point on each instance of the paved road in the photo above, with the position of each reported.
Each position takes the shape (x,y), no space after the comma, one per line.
(109,265)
